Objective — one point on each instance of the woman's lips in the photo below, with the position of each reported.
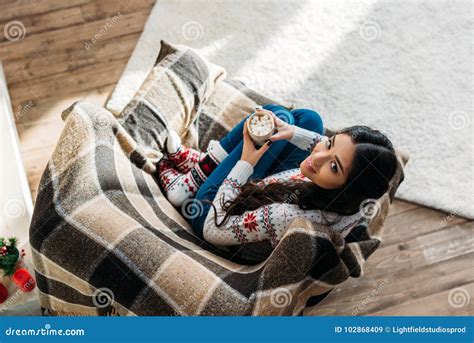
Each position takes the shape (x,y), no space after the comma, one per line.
(309,163)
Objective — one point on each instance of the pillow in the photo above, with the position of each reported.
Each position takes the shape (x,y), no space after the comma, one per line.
(171,97)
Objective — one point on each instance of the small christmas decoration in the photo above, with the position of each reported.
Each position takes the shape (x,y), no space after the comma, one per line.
(9,255)
(24,280)
(11,265)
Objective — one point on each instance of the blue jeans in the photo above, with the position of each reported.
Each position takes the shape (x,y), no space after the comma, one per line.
(281,156)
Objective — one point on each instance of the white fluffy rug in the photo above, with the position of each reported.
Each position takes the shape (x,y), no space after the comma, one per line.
(401,67)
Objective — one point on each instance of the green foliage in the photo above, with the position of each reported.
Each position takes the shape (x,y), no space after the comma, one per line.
(9,255)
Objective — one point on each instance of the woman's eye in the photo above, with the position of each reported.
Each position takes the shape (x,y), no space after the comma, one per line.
(334,167)
(328,144)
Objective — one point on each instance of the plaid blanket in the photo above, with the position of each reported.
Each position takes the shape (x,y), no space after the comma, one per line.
(106,241)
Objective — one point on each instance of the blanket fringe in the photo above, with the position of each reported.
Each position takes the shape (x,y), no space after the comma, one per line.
(113,313)
(60,313)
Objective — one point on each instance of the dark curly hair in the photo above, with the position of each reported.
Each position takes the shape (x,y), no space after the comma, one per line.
(372,169)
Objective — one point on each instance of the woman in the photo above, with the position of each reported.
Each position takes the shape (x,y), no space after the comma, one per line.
(256,192)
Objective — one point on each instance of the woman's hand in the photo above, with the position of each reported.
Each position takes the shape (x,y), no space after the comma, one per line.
(249,152)
(284,130)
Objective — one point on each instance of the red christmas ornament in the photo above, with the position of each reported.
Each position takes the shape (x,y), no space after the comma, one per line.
(3,293)
(24,280)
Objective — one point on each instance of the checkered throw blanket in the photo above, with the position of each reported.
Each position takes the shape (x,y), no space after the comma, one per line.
(106,241)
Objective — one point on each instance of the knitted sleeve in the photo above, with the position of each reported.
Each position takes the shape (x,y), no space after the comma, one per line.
(305,139)
(265,223)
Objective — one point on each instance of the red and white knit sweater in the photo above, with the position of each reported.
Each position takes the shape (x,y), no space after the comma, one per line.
(269,222)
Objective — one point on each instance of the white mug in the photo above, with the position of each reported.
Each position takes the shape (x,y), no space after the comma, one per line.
(259,138)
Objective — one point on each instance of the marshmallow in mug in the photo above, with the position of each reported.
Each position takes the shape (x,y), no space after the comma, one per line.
(260,126)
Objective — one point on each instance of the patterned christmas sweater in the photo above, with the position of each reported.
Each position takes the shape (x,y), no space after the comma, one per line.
(269,222)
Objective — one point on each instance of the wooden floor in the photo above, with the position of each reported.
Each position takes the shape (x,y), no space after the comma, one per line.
(424,266)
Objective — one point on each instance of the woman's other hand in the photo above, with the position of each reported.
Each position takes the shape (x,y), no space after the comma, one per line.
(284,130)
(249,152)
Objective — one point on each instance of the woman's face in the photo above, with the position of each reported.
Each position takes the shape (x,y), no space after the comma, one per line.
(330,162)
